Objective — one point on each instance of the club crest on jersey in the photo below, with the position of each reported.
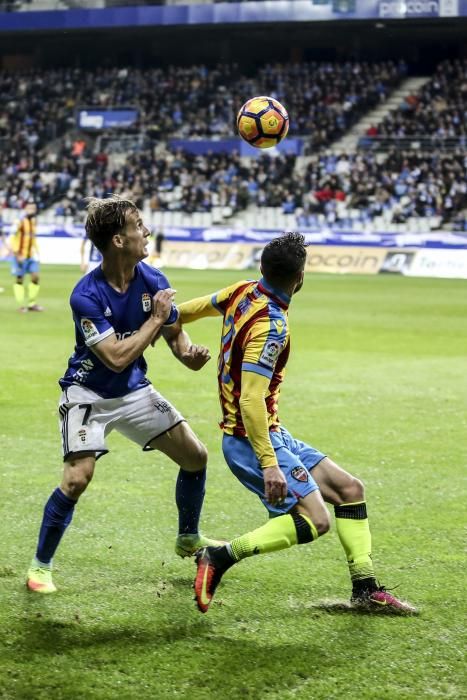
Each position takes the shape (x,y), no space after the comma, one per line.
(162,406)
(88,328)
(270,353)
(300,474)
(146,301)
(82,434)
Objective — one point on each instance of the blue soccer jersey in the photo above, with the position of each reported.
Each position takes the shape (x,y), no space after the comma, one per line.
(98,311)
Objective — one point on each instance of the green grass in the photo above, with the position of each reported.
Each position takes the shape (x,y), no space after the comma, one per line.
(378,380)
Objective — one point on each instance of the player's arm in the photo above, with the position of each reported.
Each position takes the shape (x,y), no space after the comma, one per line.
(255,419)
(192,356)
(201,307)
(118,354)
(209,305)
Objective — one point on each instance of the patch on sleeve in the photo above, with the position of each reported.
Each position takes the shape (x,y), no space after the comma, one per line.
(89,329)
(270,353)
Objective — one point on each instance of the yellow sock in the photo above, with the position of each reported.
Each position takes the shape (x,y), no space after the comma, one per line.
(33,291)
(18,290)
(278,533)
(355,536)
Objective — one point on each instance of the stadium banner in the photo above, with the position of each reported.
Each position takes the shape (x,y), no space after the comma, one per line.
(411,9)
(345,259)
(397,262)
(66,227)
(94,119)
(439,263)
(323,236)
(243,256)
(426,262)
(264,11)
(433,254)
(211,256)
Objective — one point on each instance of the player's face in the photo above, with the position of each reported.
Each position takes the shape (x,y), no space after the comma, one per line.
(136,236)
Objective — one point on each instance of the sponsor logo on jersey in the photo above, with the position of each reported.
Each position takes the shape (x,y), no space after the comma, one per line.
(270,353)
(146,302)
(279,324)
(126,334)
(244,305)
(88,328)
(300,474)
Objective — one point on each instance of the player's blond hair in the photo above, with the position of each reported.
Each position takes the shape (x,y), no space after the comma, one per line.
(106,217)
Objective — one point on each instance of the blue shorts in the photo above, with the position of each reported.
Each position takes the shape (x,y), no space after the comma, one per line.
(294,457)
(27,267)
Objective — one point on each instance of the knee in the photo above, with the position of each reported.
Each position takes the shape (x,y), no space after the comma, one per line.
(75,484)
(352,492)
(357,489)
(322,522)
(201,459)
(197,460)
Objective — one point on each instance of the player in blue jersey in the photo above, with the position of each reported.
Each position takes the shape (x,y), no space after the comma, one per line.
(119,309)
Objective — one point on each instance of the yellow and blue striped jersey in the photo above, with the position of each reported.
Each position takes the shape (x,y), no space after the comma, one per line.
(23,242)
(255,338)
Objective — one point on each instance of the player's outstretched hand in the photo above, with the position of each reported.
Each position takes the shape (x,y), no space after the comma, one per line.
(275,485)
(162,304)
(196,357)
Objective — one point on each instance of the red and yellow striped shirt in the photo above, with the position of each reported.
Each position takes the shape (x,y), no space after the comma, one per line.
(23,242)
(255,338)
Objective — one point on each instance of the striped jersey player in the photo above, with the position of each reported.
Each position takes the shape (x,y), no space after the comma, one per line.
(292,479)
(23,244)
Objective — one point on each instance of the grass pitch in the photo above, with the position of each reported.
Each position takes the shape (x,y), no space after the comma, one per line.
(377,379)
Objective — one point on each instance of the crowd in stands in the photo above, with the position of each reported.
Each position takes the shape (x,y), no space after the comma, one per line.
(39,108)
(36,108)
(439,109)
(398,187)
(324,99)
(332,188)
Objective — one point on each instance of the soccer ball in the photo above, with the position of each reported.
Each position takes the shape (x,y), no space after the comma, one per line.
(263,122)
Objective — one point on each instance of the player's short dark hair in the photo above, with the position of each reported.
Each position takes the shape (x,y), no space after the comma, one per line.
(105,218)
(283,258)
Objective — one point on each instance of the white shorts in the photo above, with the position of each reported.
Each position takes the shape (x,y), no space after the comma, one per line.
(85,418)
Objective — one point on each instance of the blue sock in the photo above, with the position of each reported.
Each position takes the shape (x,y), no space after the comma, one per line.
(189,497)
(58,513)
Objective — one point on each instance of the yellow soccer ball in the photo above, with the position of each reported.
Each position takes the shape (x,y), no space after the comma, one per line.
(263,122)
